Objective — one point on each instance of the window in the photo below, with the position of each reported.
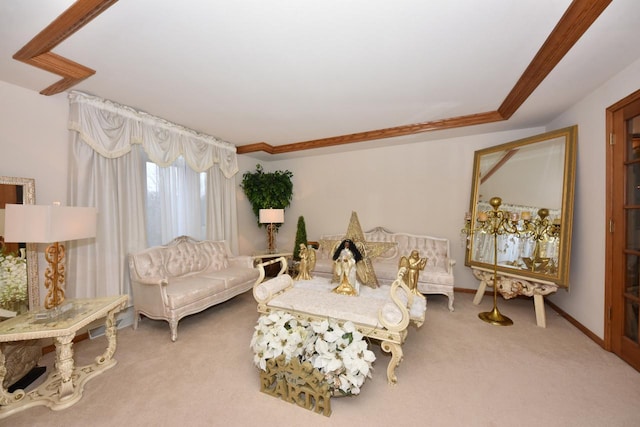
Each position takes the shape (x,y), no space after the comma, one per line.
(175,202)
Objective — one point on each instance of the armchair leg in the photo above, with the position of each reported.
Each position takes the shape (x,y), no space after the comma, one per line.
(451,298)
(173,324)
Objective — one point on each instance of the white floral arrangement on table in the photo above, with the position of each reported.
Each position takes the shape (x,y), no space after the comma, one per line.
(13,279)
(336,349)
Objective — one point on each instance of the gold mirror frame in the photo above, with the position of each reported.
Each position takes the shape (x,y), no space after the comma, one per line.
(28,197)
(522,190)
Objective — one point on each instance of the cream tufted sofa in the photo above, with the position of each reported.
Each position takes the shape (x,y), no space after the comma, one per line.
(185,277)
(436,278)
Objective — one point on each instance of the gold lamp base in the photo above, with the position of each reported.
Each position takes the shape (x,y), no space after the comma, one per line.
(495,318)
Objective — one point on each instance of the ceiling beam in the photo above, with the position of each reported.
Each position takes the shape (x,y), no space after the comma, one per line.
(579,16)
(574,23)
(453,122)
(37,52)
(576,20)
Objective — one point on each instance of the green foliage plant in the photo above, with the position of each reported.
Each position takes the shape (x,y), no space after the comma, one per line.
(301,237)
(267,190)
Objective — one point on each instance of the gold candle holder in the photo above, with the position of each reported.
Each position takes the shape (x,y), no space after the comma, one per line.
(495,222)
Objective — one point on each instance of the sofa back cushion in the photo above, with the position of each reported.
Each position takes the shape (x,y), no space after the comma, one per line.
(187,258)
(435,249)
(181,258)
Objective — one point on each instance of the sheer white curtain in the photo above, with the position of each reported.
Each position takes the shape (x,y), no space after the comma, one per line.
(222,218)
(175,202)
(98,267)
(110,145)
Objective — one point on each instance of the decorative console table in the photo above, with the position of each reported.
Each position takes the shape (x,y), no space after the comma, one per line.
(512,285)
(64,386)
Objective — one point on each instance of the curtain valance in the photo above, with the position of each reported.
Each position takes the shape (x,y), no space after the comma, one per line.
(111,129)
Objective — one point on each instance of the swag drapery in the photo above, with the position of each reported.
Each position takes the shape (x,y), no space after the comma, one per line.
(109,144)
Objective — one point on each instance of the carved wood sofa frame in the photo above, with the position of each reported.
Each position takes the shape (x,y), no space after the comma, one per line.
(394,315)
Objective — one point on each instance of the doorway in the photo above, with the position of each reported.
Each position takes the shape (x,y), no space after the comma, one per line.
(622,281)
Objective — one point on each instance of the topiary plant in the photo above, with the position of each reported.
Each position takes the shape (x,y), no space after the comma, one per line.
(266,190)
(301,237)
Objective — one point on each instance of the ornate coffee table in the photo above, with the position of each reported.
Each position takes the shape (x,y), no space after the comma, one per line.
(383,314)
(64,386)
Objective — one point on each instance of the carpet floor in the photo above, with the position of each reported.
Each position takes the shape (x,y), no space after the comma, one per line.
(457,371)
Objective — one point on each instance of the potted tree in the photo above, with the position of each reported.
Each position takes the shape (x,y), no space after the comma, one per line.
(301,237)
(266,190)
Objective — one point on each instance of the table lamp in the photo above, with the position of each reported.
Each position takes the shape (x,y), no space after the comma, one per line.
(50,224)
(271,217)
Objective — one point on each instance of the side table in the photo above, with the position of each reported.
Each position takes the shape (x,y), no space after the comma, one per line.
(65,384)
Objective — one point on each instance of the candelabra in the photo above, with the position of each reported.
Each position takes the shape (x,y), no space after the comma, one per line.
(496,223)
(539,230)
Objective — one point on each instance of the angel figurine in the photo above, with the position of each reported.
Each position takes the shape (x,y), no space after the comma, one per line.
(413,264)
(345,259)
(307,263)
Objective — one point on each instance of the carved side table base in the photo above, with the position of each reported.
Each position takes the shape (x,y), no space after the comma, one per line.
(510,286)
(64,386)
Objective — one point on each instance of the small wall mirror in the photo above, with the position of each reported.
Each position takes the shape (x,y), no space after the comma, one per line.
(535,178)
(19,289)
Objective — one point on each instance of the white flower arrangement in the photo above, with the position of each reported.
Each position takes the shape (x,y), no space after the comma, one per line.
(13,279)
(336,349)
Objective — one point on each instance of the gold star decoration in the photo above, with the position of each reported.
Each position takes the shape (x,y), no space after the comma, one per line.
(368,250)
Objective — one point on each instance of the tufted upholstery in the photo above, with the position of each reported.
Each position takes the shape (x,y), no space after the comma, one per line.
(181,259)
(186,276)
(437,276)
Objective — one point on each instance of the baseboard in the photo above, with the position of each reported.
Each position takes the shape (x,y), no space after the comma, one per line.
(575,323)
(555,308)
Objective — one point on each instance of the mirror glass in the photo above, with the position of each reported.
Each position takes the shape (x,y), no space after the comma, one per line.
(534,178)
(19,287)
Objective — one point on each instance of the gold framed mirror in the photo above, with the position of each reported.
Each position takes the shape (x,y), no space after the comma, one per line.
(19,190)
(535,179)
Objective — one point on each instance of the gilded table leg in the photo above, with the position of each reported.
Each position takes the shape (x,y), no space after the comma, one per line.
(110,332)
(64,364)
(396,358)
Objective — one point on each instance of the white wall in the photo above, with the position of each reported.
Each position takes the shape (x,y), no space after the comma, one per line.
(417,188)
(420,188)
(33,144)
(585,299)
(33,140)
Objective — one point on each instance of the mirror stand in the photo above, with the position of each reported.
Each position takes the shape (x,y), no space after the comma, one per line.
(530,255)
(497,222)
(512,285)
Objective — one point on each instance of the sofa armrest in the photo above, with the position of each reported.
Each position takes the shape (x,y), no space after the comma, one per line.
(260,266)
(264,291)
(150,281)
(241,261)
(150,295)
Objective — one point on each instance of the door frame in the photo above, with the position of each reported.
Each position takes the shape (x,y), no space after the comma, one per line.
(615,131)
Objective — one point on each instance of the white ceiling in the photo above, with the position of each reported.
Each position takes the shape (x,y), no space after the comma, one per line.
(287,71)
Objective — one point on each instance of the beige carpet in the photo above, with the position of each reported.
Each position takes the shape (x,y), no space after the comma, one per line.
(457,371)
